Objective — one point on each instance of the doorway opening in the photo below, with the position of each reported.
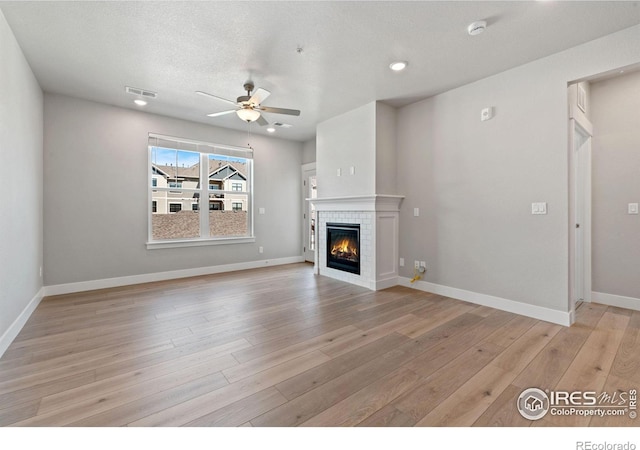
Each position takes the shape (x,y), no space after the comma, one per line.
(309,192)
(580,140)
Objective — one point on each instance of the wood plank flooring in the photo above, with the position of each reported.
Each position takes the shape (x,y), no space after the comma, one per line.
(281,347)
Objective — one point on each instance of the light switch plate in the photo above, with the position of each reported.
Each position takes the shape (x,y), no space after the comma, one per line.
(352,170)
(539,208)
(632,208)
(416,212)
(339,172)
(261,211)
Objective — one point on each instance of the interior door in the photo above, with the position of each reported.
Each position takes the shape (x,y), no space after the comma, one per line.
(309,191)
(582,158)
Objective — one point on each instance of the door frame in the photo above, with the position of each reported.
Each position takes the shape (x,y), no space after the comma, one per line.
(580,147)
(306,171)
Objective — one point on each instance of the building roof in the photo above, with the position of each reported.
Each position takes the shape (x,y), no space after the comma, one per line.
(220,171)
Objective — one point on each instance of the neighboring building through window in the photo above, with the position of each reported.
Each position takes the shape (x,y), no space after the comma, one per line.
(218,175)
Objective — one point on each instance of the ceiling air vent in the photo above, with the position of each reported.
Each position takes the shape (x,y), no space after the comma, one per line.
(140,92)
(282,125)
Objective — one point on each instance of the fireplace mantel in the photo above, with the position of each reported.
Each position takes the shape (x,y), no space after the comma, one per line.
(376,202)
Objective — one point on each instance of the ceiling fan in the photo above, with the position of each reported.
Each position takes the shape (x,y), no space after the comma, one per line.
(249,107)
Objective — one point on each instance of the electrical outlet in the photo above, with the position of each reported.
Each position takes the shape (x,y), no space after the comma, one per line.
(423,264)
(416,264)
(260,249)
(401,262)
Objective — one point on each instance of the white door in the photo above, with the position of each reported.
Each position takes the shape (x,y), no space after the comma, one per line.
(309,191)
(582,212)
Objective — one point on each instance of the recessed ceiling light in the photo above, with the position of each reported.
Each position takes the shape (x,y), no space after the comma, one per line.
(398,66)
(476,28)
(139,102)
(271,129)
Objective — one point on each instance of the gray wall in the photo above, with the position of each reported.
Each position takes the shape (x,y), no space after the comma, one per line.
(21,162)
(309,151)
(95,212)
(615,111)
(474,181)
(344,141)
(386,155)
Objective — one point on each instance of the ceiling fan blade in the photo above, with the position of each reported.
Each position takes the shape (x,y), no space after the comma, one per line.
(259,96)
(262,121)
(221,113)
(206,94)
(269,109)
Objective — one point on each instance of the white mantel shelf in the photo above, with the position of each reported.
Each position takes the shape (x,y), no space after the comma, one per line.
(375,202)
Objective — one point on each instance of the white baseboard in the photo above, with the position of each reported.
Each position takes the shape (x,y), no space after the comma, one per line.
(7,338)
(616,300)
(536,312)
(386,283)
(83,286)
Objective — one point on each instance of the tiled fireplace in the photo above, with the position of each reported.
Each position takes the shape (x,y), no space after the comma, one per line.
(374,219)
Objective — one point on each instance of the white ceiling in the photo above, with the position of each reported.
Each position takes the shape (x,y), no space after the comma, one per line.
(93,49)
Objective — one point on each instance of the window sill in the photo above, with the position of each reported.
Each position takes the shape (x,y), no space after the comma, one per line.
(200,242)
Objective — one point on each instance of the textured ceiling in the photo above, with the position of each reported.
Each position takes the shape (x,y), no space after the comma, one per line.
(92,50)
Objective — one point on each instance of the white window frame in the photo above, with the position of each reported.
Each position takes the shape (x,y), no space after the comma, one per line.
(205,149)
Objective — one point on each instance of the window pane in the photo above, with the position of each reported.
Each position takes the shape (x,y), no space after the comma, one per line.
(175,168)
(174,217)
(227,173)
(226,217)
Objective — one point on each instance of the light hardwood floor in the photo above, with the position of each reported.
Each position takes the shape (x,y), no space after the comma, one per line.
(281,347)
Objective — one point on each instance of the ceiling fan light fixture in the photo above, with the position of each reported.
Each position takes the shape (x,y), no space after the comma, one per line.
(248,114)
(397,66)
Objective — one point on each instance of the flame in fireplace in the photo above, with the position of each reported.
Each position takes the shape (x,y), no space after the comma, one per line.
(345,249)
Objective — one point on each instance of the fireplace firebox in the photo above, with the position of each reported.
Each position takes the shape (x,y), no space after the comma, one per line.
(343,247)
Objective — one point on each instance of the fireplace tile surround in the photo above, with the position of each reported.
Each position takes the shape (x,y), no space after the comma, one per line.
(378,217)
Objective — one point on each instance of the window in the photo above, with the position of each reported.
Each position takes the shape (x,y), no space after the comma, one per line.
(202,172)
